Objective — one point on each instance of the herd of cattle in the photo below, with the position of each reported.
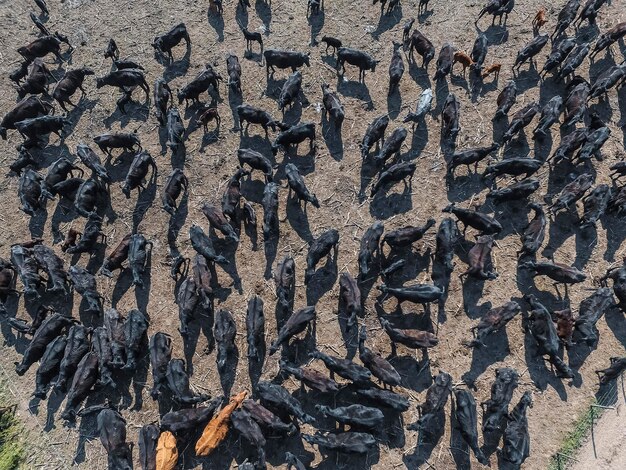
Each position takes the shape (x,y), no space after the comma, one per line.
(77,360)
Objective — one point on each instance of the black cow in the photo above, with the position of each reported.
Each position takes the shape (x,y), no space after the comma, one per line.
(67,86)
(112,431)
(28,108)
(294,136)
(360,59)
(167,41)
(285,60)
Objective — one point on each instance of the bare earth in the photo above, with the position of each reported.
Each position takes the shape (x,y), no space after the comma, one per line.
(609,437)
(334,174)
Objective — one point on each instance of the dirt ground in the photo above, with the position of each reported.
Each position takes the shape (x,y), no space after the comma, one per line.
(608,439)
(334,173)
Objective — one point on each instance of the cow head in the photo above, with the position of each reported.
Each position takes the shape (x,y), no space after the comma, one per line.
(305,58)
(23,51)
(158,44)
(429,56)
(126,190)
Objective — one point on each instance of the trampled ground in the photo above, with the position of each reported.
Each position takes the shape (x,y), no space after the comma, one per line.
(334,173)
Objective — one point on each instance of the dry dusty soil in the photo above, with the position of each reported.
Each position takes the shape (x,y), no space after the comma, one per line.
(608,440)
(334,172)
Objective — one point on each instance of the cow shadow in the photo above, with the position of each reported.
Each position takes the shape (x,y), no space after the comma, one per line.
(87,430)
(322,280)
(177,221)
(142,292)
(415,374)
(37,222)
(499,126)
(294,112)
(426,442)
(333,460)
(369,169)
(463,187)
(387,21)
(235,99)
(264,12)
(394,103)
(134,111)
(63,214)
(123,284)
(349,333)
(229,372)
(416,263)
(441,93)
(217,23)
(537,369)
(458,447)
(270,248)
(617,324)
(418,141)
(460,81)
(543,147)
(253,56)
(513,215)
(556,235)
(227,248)
(55,400)
(331,134)
(621,103)
(255,364)
(316,23)
(305,163)
(252,190)
(472,289)
(139,376)
(617,230)
(586,242)
(527,79)
(84,104)
(118,168)
(144,202)
(257,142)
(356,90)
(297,351)
(496,34)
(482,88)
(177,68)
(491,439)
(241,15)
(384,206)
(19,341)
(482,357)
(298,218)
(424,15)
(419,74)
(190,341)
(273,87)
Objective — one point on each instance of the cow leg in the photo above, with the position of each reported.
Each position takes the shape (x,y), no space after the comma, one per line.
(144,86)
